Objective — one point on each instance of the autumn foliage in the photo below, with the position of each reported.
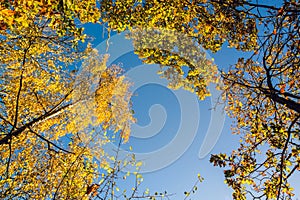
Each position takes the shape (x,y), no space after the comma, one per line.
(49,144)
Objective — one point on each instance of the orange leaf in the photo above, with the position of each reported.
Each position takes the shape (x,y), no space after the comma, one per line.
(280,11)
(8,12)
(292,82)
(282,88)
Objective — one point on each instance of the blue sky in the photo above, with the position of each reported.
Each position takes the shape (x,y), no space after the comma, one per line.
(159,112)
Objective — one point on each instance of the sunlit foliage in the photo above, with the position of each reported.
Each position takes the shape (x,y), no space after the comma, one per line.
(48,116)
(261,91)
(52,124)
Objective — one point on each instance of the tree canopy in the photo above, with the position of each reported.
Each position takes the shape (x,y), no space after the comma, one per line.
(260,91)
(43,105)
(49,146)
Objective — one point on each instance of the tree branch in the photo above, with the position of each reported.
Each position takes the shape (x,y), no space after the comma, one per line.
(282,154)
(49,142)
